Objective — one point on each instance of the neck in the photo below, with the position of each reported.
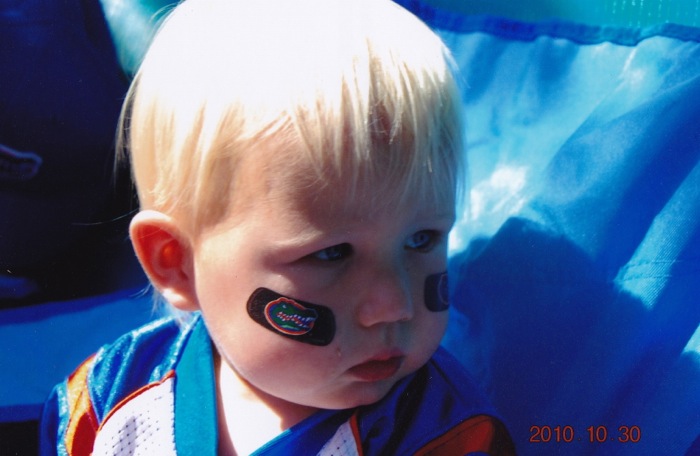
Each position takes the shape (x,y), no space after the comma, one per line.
(249,417)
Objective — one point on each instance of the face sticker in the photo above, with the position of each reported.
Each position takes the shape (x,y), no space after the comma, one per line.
(289,317)
(437,293)
(302,321)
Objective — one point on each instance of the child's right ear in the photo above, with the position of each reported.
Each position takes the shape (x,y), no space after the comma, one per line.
(165,254)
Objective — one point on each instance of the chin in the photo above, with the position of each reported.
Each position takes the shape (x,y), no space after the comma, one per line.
(363,394)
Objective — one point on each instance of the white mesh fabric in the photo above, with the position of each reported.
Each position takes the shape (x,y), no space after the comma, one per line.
(342,443)
(145,425)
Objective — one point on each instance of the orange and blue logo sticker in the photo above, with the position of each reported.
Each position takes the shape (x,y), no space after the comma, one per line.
(289,317)
(292,318)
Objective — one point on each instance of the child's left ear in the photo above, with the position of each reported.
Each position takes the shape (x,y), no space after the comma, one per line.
(165,254)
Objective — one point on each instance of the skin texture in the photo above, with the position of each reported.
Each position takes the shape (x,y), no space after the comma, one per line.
(368,266)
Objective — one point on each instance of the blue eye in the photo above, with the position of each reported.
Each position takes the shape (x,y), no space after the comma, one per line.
(423,240)
(333,253)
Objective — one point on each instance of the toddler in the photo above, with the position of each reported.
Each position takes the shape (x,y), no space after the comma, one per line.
(297,165)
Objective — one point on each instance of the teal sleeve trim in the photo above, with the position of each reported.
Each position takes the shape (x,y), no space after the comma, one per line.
(196,427)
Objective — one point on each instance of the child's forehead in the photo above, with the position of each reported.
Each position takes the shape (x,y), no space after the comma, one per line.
(337,198)
(337,214)
(281,174)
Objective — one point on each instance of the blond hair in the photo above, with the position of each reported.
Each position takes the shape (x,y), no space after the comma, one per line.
(357,89)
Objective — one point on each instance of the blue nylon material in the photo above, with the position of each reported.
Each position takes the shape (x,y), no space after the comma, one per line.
(576,263)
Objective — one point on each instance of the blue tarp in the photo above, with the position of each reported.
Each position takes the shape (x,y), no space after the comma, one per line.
(577,263)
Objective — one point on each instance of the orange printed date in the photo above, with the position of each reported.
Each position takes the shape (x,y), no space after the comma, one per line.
(591,434)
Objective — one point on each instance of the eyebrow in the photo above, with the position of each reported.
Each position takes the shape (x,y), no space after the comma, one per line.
(449,215)
(288,248)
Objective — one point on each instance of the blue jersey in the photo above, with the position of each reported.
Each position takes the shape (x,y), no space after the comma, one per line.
(153,392)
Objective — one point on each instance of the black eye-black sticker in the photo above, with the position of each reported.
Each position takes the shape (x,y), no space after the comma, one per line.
(298,320)
(437,292)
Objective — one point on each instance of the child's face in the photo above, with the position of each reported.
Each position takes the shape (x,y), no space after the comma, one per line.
(369,268)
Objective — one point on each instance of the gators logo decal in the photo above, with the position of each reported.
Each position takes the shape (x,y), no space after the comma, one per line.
(289,317)
(293,318)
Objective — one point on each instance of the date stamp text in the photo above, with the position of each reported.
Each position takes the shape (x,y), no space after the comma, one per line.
(591,434)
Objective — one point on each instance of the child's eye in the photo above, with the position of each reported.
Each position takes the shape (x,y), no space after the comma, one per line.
(423,240)
(333,253)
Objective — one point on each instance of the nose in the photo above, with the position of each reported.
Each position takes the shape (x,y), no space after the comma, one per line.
(386,296)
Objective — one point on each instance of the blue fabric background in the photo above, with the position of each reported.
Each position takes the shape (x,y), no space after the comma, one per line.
(577,262)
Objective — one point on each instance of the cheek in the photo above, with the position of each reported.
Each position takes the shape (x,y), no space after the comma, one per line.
(289,370)
(426,338)
(432,326)
(272,361)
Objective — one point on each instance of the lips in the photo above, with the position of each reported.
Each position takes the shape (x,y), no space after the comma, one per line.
(377,369)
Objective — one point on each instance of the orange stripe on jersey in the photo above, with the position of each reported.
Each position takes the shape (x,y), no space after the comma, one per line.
(82,427)
(477,434)
(356,433)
